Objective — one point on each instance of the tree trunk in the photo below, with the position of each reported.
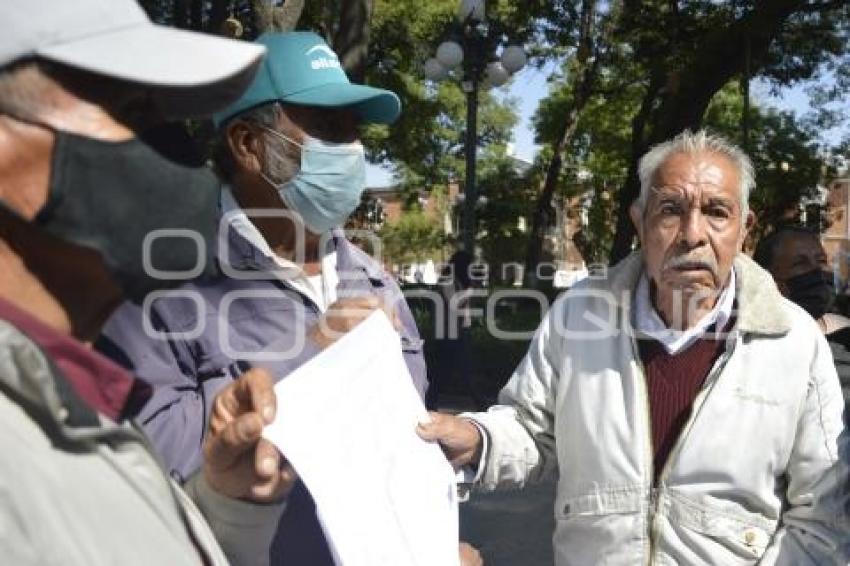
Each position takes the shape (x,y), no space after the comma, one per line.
(271,18)
(689,88)
(219,11)
(286,17)
(625,233)
(351,41)
(196,15)
(181,14)
(543,208)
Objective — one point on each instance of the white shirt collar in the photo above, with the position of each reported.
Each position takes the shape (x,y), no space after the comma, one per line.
(648,322)
(321,290)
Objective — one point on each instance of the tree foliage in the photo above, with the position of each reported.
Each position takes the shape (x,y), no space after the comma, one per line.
(510,196)
(789,161)
(414,237)
(657,66)
(690,50)
(233,18)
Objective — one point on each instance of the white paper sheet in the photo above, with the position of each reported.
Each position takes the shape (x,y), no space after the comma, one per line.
(346,420)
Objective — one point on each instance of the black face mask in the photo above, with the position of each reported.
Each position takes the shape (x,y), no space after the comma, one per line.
(814,291)
(110,196)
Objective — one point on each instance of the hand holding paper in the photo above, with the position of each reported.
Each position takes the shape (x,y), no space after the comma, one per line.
(237,461)
(459,438)
(383,496)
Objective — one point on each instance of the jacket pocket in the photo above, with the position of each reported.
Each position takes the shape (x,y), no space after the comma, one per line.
(745,535)
(605,501)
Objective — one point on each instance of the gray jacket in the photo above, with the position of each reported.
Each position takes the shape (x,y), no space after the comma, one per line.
(77,489)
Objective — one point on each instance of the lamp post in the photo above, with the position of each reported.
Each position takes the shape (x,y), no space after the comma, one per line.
(473,53)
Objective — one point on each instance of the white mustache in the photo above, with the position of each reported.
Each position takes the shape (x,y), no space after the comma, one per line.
(684,261)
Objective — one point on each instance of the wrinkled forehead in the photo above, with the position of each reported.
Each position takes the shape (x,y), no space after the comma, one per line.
(697,176)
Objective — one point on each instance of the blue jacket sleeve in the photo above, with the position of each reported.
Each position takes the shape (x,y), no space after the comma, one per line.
(175,417)
(412,344)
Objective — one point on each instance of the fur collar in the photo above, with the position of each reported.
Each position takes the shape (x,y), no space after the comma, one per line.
(759,303)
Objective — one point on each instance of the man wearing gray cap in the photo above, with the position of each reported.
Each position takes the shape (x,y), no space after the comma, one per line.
(82,205)
(290,152)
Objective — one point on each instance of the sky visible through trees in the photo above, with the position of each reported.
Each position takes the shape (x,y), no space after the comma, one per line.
(529,86)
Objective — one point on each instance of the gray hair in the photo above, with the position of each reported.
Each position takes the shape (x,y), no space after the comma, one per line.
(21,90)
(693,143)
(278,167)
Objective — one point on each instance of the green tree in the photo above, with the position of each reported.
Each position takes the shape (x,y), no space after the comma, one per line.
(788,160)
(414,237)
(509,198)
(593,37)
(787,157)
(689,50)
(598,146)
(233,18)
(425,146)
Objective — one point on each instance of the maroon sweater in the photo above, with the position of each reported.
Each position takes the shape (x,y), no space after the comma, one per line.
(673,382)
(97,381)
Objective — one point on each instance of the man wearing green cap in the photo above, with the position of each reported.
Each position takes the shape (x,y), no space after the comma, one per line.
(290,153)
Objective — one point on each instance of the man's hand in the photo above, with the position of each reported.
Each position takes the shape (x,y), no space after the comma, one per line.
(345,314)
(238,462)
(469,556)
(459,438)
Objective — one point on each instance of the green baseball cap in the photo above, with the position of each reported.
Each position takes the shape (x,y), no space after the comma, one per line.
(300,68)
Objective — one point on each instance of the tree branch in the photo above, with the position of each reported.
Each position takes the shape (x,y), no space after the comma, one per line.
(283,18)
(286,17)
(351,40)
(823,6)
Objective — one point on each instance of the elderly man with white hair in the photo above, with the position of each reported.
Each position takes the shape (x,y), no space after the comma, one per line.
(691,414)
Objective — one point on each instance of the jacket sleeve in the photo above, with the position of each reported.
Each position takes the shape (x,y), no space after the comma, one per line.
(520,429)
(175,416)
(244,531)
(815,526)
(412,344)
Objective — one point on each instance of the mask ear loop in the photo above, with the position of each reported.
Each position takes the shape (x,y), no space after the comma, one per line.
(283,137)
(278,109)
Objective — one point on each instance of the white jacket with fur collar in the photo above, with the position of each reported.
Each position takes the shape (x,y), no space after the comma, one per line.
(755,476)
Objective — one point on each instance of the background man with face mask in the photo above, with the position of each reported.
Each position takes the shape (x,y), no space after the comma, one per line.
(795,257)
(691,414)
(290,153)
(79,193)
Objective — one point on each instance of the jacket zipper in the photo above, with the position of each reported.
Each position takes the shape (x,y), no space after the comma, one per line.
(644,389)
(654,490)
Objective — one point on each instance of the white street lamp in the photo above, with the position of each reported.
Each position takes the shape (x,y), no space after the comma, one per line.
(434,70)
(450,54)
(496,74)
(513,58)
(477,40)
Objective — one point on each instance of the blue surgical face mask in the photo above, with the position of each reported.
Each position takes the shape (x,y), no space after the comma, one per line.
(327,188)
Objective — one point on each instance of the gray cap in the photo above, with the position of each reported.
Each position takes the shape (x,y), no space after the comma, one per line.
(186,73)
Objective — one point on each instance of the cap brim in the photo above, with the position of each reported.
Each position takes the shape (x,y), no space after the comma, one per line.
(373,105)
(189,73)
